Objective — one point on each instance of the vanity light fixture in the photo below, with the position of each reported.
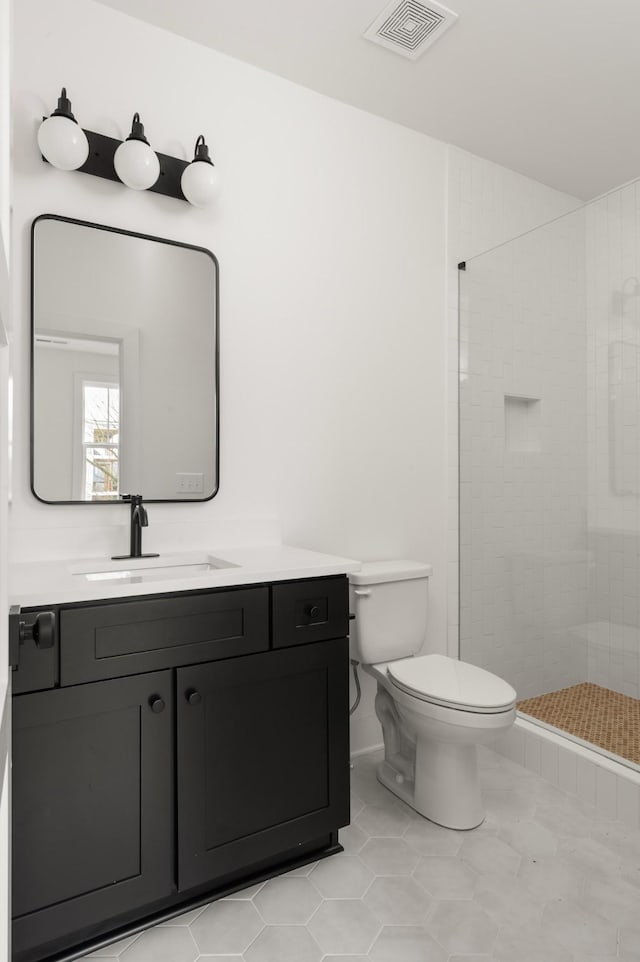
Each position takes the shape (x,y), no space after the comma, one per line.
(61,139)
(200,181)
(136,164)
(64,144)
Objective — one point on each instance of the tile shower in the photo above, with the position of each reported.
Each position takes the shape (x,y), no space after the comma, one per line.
(550,466)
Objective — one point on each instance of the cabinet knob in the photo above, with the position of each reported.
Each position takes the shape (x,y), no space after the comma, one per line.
(157,704)
(313,611)
(43,630)
(193,697)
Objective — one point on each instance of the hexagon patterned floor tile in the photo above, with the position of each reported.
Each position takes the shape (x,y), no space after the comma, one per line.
(389,856)
(342,877)
(542,880)
(284,943)
(397,900)
(344,925)
(382,821)
(461,926)
(446,877)
(287,901)
(163,944)
(226,927)
(406,943)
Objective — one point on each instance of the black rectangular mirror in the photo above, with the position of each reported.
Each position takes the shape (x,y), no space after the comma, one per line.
(124,365)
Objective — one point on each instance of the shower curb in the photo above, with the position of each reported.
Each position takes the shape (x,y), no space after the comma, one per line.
(610,786)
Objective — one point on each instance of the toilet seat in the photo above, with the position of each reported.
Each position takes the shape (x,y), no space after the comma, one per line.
(450,683)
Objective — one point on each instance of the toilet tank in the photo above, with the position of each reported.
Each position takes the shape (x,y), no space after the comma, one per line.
(389,600)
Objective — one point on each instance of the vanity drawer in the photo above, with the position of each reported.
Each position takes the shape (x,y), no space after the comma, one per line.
(306,611)
(126,638)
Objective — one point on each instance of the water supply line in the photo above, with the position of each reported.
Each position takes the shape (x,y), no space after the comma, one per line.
(354,665)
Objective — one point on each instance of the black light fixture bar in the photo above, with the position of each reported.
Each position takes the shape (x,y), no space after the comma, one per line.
(100,164)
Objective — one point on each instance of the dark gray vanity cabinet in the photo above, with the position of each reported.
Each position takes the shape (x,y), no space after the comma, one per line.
(262,755)
(92,781)
(188,744)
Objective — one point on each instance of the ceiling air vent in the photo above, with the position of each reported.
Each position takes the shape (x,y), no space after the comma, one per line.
(409,27)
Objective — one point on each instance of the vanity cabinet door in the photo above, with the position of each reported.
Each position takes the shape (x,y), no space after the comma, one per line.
(92,791)
(263,757)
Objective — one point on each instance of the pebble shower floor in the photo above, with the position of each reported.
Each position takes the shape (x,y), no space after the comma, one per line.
(598,715)
(544,879)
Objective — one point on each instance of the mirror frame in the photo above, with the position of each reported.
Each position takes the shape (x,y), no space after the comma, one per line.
(216,358)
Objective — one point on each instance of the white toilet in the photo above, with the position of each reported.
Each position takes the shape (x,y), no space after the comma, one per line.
(433,710)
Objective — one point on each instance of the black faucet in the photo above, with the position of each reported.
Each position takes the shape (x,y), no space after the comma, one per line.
(139,520)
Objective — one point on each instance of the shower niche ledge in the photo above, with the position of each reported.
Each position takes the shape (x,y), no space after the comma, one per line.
(522,423)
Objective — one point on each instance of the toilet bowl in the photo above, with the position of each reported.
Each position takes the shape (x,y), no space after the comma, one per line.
(438,776)
(434,710)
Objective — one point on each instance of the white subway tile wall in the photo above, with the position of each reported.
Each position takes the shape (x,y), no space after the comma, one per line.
(612,628)
(487,205)
(572,549)
(561,307)
(523,489)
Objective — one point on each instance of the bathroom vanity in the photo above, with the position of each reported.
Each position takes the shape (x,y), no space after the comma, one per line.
(180,723)
(174,738)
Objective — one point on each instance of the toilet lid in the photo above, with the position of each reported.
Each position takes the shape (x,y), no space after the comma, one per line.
(449,682)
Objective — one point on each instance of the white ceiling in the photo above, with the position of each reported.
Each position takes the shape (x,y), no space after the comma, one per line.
(549,88)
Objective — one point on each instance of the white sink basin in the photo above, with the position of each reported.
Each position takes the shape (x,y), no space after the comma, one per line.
(164,568)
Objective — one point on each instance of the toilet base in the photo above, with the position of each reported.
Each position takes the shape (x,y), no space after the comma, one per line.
(445,788)
(430,764)
(396,782)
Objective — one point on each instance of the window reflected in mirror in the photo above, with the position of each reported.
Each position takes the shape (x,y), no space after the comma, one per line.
(101,442)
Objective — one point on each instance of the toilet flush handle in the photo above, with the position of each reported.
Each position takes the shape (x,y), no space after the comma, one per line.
(362,592)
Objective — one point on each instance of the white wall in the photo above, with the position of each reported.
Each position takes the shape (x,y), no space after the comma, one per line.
(5,730)
(330,232)
(5,118)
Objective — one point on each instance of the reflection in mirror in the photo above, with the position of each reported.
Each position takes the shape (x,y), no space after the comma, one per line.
(84,377)
(125,395)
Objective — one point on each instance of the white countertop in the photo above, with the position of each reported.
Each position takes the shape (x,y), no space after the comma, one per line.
(93,579)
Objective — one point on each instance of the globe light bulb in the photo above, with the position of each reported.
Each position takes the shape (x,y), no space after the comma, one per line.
(61,139)
(200,181)
(136,164)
